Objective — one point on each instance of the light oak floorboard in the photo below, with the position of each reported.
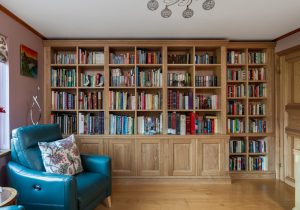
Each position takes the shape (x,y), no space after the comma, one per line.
(241,194)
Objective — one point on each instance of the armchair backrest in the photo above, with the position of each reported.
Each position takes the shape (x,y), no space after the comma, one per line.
(24,144)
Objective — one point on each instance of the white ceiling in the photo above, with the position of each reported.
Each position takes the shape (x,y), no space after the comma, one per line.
(230,19)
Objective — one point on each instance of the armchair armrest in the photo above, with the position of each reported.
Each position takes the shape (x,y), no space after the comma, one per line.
(97,164)
(37,188)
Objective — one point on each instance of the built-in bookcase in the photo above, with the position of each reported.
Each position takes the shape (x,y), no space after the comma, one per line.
(124,89)
(249,95)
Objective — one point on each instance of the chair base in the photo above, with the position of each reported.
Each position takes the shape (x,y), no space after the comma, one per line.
(107,202)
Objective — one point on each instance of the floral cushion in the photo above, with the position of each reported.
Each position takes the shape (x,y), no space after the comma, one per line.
(61,156)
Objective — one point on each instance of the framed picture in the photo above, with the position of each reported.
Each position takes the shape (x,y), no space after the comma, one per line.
(29,62)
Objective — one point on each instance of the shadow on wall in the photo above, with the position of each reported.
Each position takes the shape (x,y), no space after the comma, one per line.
(3,171)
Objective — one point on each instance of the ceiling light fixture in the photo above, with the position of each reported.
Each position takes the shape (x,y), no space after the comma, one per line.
(187,13)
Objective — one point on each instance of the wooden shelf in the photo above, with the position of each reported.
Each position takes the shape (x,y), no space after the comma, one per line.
(121,65)
(111,87)
(170,87)
(149,88)
(236,81)
(90,65)
(180,65)
(149,110)
(204,88)
(237,98)
(257,81)
(238,116)
(63,65)
(238,154)
(208,65)
(180,110)
(149,65)
(63,88)
(91,110)
(235,65)
(66,110)
(90,88)
(208,110)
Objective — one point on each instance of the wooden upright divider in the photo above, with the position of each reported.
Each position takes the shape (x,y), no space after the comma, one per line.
(122,118)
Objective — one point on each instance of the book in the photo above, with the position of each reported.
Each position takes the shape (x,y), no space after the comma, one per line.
(145,56)
(121,100)
(92,80)
(257,126)
(235,108)
(237,163)
(257,90)
(235,125)
(121,125)
(236,90)
(206,101)
(63,77)
(149,78)
(236,74)
(149,101)
(257,108)
(64,57)
(206,81)
(87,56)
(62,100)
(91,123)
(257,57)
(90,100)
(67,122)
(176,58)
(179,100)
(122,58)
(256,74)
(237,146)
(235,57)
(149,125)
(179,79)
(120,78)
(205,57)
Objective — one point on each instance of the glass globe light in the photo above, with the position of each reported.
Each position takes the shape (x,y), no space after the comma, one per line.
(152,5)
(166,12)
(208,4)
(187,13)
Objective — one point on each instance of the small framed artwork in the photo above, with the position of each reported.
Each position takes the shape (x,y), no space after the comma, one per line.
(29,62)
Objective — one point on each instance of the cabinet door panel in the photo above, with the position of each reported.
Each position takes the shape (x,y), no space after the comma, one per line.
(91,146)
(182,157)
(123,155)
(149,157)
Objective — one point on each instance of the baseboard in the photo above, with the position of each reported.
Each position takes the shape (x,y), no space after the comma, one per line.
(253,175)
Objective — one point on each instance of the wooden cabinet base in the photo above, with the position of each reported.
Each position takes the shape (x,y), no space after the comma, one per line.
(164,159)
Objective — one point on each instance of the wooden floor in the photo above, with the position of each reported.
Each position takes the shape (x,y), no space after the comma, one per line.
(242,194)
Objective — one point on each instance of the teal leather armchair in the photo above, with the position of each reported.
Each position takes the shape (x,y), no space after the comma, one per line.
(12,208)
(40,190)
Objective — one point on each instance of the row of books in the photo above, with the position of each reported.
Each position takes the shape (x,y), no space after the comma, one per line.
(63,77)
(149,101)
(257,146)
(235,57)
(62,100)
(92,80)
(179,79)
(121,58)
(257,74)
(146,57)
(206,102)
(235,108)
(235,126)
(90,57)
(236,90)
(121,100)
(150,78)
(236,74)
(258,163)
(66,122)
(91,123)
(192,124)
(257,57)
(179,58)
(206,81)
(237,146)
(257,126)
(179,100)
(257,90)
(118,78)
(121,125)
(90,100)
(237,163)
(149,125)
(64,57)
(207,57)
(257,108)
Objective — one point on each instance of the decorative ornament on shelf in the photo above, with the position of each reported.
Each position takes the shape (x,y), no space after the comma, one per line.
(187,13)
(2,110)
(35,107)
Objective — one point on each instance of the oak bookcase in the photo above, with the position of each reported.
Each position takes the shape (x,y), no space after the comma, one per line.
(189,157)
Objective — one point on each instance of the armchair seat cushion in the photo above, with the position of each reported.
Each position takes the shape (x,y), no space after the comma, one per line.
(90,186)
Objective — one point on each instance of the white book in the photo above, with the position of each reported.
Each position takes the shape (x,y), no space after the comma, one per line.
(182,124)
(81,123)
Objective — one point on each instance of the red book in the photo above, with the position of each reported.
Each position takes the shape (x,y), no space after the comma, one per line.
(188,125)
(212,125)
(192,122)
(173,118)
(177,99)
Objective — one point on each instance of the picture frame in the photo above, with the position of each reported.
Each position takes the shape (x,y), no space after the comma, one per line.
(28,62)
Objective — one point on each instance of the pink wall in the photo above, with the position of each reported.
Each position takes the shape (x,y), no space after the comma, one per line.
(21,88)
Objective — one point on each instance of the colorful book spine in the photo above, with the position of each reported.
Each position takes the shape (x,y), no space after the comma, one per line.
(149,125)
(235,57)
(174,58)
(236,90)
(206,101)
(62,100)
(178,100)
(90,100)
(236,74)
(257,126)
(121,100)
(206,81)
(257,90)
(63,77)
(179,79)
(235,108)
(150,78)
(121,125)
(64,57)
(149,101)
(145,56)
(205,57)
(256,74)
(66,122)
(91,123)
(92,80)
(235,126)
(237,146)
(257,57)
(90,57)
(237,163)
(121,58)
(258,146)
(258,163)
(120,79)
(257,108)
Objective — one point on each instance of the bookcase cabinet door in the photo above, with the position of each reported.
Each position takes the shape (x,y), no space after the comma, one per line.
(149,157)
(182,157)
(92,147)
(211,157)
(122,153)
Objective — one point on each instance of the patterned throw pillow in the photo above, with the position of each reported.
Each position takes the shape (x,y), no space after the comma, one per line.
(61,157)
